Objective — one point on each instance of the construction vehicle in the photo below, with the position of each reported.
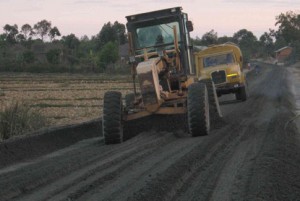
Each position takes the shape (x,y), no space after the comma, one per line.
(223,64)
(163,74)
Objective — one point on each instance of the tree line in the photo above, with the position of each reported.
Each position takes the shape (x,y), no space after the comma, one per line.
(37,48)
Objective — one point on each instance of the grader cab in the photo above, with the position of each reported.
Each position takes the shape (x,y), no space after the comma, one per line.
(163,75)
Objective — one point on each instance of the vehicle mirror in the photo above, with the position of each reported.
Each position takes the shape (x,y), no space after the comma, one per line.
(189,26)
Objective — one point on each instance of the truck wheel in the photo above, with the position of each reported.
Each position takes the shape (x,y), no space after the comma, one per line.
(242,94)
(215,113)
(112,127)
(198,110)
(238,95)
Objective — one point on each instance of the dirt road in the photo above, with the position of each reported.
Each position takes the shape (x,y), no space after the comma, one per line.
(254,155)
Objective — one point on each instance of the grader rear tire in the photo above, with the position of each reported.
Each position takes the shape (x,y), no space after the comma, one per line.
(112,127)
(198,110)
(129,99)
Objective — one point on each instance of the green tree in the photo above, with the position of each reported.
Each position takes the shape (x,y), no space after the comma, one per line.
(109,54)
(267,44)
(70,41)
(288,32)
(27,31)
(20,38)
(53,33)
(11,32)
(121,32)
(87,47)
(28,57)
(247,42)
(106,35)
(244,36)
(196,41)
(210,38)
(111,33)
(289,26)
(224,39)
(42,28)
(53,56)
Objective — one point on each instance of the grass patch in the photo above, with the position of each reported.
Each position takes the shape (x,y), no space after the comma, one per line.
(19,118)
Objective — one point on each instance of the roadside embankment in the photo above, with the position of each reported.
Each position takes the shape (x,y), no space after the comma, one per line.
(46,141)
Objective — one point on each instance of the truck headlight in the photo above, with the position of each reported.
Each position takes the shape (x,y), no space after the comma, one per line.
(233,75)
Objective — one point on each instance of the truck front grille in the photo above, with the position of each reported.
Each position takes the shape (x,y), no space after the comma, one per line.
(218,77)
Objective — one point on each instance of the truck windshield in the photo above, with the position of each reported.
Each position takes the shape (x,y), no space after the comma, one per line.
(218,60)
(156,35)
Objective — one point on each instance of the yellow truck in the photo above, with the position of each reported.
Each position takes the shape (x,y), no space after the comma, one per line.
(223,65)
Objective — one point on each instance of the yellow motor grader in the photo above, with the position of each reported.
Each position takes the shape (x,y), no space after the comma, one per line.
(163,72)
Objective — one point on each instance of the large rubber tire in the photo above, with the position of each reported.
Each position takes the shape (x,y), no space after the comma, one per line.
(198,109)
(112,127)
(238,95)
(129,99)
(215,113)
(242,94)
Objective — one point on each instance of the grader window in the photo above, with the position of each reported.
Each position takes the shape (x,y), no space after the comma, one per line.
(161,34)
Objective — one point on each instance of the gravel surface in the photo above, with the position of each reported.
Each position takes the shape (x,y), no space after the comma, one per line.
(254,154)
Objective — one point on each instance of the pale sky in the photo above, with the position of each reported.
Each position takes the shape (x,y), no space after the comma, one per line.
(86,17)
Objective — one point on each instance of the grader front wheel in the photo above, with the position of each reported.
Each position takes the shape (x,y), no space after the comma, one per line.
(112,127)
(198,110)
(214,106)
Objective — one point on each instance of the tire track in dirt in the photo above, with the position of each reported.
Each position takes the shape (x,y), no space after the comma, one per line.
(204,170)
(62,165)
(231,178)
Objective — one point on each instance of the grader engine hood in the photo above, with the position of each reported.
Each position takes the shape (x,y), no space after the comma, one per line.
(149,83)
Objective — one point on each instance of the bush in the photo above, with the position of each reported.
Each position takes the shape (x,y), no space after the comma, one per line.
(53,56)
(19,118)
(28,57)
(109,54)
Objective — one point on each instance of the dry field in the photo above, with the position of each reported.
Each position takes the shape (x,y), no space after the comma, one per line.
(62,98)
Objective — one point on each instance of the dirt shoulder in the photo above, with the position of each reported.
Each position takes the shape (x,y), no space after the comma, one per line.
(45,141)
